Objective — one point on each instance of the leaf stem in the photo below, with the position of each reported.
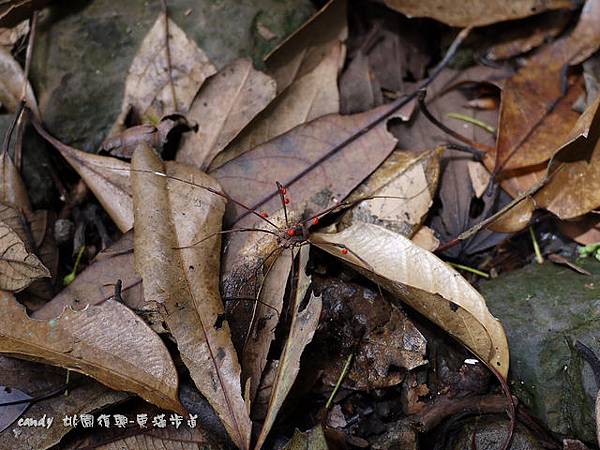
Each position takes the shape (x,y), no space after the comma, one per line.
(472,121)
(536,247)
(469,269)
(345,370)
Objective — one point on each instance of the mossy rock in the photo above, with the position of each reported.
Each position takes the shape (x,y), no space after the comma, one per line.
(545,309)
(84,49)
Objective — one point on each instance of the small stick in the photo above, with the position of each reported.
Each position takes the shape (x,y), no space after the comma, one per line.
(468,269)
(472,120)
(536,247)
(345,371)
(168,52)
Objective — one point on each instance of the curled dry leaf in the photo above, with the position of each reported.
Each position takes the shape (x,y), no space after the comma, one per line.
(12,82)
(225,104)
(303,326)
(18,267)
(12,188)
(472,13)
(266,313)
(436,290)
(92,341)
(405,184)
(152,88)
(306,48)
(184,281)
(310,96)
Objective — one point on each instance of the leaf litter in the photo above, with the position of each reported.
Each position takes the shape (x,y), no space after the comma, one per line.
(269,152)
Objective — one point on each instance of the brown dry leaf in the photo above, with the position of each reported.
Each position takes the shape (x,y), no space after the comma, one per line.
(93,342)
(148,89)
(108,179)
(573,188)
(12,82)
(184,282)
(258,342)
(303,326)
(409,181)
(472,13)
(18,267)
(436,290)
(300,53)
(12,188)
(85,396)
(480,177)
(517,219)
(524,108)
(310,96)
(320,162)
(584,231)
(225,104)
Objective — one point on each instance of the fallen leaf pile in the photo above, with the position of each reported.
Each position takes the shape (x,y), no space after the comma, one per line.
(296,232)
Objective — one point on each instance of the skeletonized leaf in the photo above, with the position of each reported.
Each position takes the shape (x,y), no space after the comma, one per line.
(306,48)
(310,96)
(108,179)
(225,104)
(18,267)
(12,82)
(472,13)
(185,281)
(107,342)
(435,290)
(258,341)
(303,326)
(149,93)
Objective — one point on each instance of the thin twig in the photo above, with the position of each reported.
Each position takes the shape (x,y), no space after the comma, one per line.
(168,52)
(468,269)
(472,120)
(536,247)
(345,370)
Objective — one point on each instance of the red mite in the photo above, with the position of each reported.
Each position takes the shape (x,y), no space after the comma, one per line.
(291,232)
(344,251)
(286,200)
(264,215)
(315,220)
(283,190)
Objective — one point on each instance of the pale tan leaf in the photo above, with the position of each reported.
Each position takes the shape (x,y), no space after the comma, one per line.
(10,36)
(472,13)
(435,290)
(480,177)
(306,48)
(107,178)
(148,89)
(12,82)
(225,104)
(303,326)
(265,320)
(18,267)
(404,186)
(425,238)
(185,281)
(310,96)
(107,342)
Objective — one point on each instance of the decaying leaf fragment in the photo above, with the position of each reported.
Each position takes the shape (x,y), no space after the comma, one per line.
(152,89)
(183,280)
(107,342)
(302,329)
(435,290)
(225,104)
(18,267)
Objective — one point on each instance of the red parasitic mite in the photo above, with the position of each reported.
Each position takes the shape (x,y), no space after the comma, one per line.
(315,220)
(344,251)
